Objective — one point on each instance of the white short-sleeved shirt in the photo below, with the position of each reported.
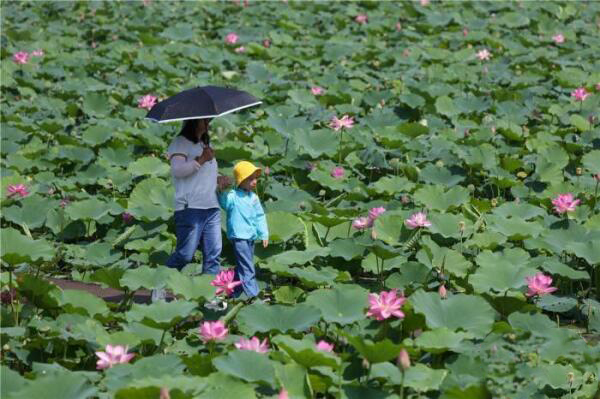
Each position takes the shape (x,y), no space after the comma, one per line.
(198,190)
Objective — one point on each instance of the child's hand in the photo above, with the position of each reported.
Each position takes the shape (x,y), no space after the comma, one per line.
(265,243)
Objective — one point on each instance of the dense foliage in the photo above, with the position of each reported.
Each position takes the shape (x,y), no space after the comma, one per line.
(482,116)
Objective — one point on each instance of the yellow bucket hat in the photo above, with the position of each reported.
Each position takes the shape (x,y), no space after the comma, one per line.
(242,170)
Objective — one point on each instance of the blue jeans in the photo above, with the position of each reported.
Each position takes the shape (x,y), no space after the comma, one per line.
(194,227)
(244,269)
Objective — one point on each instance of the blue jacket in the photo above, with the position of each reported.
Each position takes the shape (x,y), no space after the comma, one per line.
(245,216)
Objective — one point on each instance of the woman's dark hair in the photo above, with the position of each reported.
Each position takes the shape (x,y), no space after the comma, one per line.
(188,130)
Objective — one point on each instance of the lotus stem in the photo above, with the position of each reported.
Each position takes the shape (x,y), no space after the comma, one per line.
(402,386)
(340,147)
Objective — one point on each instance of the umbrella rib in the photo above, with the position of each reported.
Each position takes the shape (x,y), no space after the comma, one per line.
(205,116)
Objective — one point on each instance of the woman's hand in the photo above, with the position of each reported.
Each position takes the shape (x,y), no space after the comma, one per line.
(265,243)
(207,155)
(223,182)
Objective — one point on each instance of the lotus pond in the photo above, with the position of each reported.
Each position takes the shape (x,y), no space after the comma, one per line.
(432,199)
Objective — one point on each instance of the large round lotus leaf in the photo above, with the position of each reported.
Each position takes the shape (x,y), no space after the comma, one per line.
(448,225)
(31,213)
(553,375)
(537,323)
(309,275)
(96,104)
(152,199)
(554,266)
(345,248)
(160,314)
(440,176)
(146,277)
(299,257)
(591,161)
(65,386)
(247,365)
(76,301)
(96,135)
(152,166)
(434,197)
(283,226)
(590,251)
(434,256)
(422,378)
(109,276)
(343,304)
(261,318)
(127,338)
(374,352)
(315,143)
(445,106)
(191,288)
(87,209)
(293,378)
(390,228)
(17,248)
(556,304)
(221,385)
(392,185)
(519,210)
(499,272)
(458,312)
(305,353)
(440,340)
(514,228)
(156,366)
(11,381)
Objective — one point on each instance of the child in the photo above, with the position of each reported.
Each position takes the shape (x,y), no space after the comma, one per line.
(246,222)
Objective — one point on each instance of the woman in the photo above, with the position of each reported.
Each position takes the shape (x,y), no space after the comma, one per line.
(197,214)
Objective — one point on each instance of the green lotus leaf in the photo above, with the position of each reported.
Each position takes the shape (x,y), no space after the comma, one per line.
(96,135)
(439,176)
(591,161)
(590,251)
(109,276)
(294,379)
(422,378)
(161,314)
(553,375)
(556,304)
(152,199)
(223,385)
(445,106)
(283,226)
(260,318)
(343,304)
(317,142)
(17,248)
(434,197)
(458,312)
(514,228)
(247,365)
(440,340)
(434,256)
(87,209)
(32,212)
(305,353)
(11,381)
(191,288)
(152,166)
(146,277)
(299,257)
(499,272)
(82,302)
(537,323)
(65,385)
(392,185)
(96,104)
(345,248)
(374,352)
(156,366)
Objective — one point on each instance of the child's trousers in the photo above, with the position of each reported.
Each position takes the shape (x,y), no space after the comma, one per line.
(244,270)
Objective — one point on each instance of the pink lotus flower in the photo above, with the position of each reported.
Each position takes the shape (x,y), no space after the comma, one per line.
(253,344)
(240,49)
(564,203)
(484,55)
(324,346)
(361,18)
(127,217)
(417,220)
(539,285)
(398,26)
(267,171)
(224,282)
(465,32)
(597,177)
(17,189)
(21,57)
(403,359)
(317,91)
(346,122)
(559,38)
(231,38)
(385,305)
(337,172)
(148,101)
(283,394)
(113,355)
(213,331)
(266,43)
(424,3)
(598,86)
(164,393)
(374,214)
(580,94)
(38,53)
(442,291)
(360,223)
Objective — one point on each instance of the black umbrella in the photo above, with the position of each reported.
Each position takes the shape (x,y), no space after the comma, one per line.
(201,102)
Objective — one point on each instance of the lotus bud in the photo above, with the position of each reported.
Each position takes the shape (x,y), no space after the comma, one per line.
(578,171)
(521,175)
(266,43)
(570,377)
(365,363)
(6,347)
(322,192)
(494,348)
(267,171)
(398,26)
(597,177)
(439,164)
(164,393)
(403,360)
(51,191)
(471,187)
(461,226)
(494,202)
(405,199)
(373,234)
(395,162)
(442,291)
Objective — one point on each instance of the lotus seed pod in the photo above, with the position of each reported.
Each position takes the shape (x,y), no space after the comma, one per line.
(322,192)
(365,363)
(395,162)
(521,175)
(6,347)
(494,202)
(471,187)
(570,377)
(403,360)
(373,234)
(439,164)
(461,226)
(405,199)
(578,171)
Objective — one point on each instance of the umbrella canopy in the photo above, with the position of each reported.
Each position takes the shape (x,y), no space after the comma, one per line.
(200,103)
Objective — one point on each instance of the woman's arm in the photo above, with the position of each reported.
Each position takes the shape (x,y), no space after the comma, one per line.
(182,168)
